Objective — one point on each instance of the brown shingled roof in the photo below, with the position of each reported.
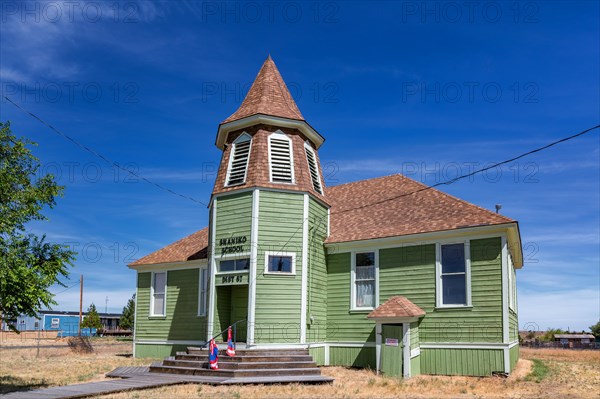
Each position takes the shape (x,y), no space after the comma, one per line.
(268,95)
(396,306)
(194,246)
(375,208)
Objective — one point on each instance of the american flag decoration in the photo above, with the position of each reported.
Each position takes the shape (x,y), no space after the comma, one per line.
(230,349)
(212,356)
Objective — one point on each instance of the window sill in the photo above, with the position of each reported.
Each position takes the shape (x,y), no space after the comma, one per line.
(232,272)
(453,307)
(280,274)
(361,310)
(157,317)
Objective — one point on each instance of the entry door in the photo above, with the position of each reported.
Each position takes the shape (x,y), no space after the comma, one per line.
(239,310)
(391,350)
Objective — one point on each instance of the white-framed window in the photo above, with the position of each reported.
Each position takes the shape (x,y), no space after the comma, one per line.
(453,274)
(234,265)
(202,290)
(280,263)
(281,158)
(313,168)
(238,160)
(364,291)
(158,296)
(512,288)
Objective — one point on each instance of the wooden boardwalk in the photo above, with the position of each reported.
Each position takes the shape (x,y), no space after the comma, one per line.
(133,378)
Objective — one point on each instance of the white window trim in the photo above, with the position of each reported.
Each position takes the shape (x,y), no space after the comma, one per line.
(231,156)
(282,136)
(164,311)
(438,275)
(308,148)
(244,255)
(274,253)
(353,306)
(202,311)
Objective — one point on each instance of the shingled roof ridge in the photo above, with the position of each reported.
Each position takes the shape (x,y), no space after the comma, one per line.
(423,185)
(267,91)
(141,261)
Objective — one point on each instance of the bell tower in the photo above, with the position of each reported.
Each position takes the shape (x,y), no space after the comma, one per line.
(268,220)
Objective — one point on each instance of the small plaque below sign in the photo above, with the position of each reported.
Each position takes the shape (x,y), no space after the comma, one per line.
(391,342)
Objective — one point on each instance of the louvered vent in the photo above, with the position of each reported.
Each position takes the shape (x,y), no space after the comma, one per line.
(313,169)
(239,163)
(281,161)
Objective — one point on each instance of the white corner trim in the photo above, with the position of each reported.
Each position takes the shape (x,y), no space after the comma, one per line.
(137,276)
(327,361)
(406,349)
(253,266)
(304,284)
(514,343)
(378,347)
(505,313)
(212,271)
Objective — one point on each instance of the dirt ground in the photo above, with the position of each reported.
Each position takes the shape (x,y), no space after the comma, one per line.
(571,374)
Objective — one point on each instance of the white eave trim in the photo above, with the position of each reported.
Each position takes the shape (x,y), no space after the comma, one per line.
(472,233)
(188,264)
(301,125)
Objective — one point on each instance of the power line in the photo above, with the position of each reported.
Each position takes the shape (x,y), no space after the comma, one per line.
(454,180)
(66,289)
(102,157)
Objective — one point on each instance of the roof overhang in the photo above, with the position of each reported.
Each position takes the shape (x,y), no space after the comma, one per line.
(510,230)
(303,126)
(394,320)
(169,265)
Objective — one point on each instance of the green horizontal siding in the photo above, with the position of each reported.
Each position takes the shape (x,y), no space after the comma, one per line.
(414,335)
(234,219)
(352,356)
(514,357)
(410,271)
(181,321)
(278,297)
(343,325)
(513,324)
(317,273)
(157,351)
(318,355)
(476,362)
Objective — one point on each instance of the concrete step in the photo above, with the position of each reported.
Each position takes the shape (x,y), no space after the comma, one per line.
(252,352)
(229,365)
(248,358)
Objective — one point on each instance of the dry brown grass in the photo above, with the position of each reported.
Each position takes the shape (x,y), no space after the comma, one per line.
(22,369)
(573,374)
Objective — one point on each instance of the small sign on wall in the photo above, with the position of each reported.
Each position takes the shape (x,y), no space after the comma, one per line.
(391,342)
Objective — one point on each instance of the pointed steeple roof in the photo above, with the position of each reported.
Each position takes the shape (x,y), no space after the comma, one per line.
(268,95)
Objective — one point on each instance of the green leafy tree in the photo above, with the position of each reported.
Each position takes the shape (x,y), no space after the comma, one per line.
(29,265)
(91,319)
(126,321)
(595,329)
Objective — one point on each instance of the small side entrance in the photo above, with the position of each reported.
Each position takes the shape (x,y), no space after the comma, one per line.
(392,350)
(231,306)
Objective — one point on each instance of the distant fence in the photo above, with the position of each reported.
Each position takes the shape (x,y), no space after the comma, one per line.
(560,345)
(27,335)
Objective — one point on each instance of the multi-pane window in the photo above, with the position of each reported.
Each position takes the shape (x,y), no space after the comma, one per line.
(234,265)
(202,291)
(453,275)
(238,161)
(159,284)
(313,168)
(280,263)
(281,158)
(364,280)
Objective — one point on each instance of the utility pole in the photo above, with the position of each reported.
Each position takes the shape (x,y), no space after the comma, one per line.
(80,304)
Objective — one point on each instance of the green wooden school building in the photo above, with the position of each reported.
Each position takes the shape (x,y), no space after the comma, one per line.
(385,273)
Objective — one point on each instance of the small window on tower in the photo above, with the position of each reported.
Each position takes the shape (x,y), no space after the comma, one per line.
(281,160)
(238,161)
(313,169)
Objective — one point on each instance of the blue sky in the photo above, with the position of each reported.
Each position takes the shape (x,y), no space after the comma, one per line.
(427,89)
